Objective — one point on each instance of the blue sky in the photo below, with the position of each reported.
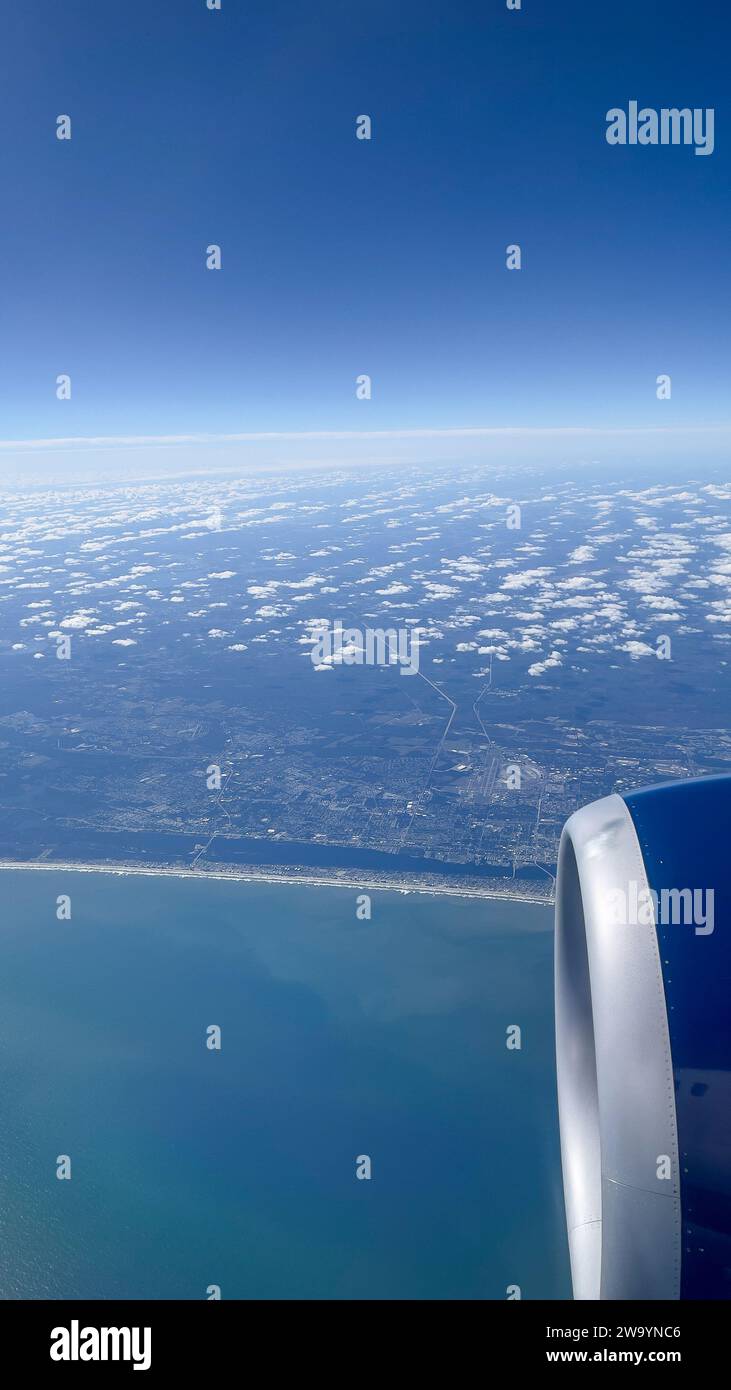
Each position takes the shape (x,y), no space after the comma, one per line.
(342,256)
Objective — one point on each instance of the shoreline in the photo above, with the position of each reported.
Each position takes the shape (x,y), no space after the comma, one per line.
(363,884)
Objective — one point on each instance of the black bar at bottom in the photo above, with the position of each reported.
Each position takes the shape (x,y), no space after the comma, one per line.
(350,1339)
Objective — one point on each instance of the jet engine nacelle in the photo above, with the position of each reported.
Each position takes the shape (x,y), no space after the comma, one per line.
(643,1041)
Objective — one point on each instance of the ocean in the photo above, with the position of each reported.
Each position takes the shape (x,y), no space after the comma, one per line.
(195,1169)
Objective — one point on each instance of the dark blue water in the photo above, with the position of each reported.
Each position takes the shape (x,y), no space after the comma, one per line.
(192,1167)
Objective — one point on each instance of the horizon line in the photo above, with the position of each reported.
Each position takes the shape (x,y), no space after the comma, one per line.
(449,432)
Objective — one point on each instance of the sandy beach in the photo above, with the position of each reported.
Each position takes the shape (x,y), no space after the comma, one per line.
(364,884)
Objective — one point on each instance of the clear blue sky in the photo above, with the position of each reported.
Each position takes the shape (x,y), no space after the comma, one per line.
(342,256)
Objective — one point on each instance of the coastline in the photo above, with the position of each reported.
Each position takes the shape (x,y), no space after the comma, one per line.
(362,884)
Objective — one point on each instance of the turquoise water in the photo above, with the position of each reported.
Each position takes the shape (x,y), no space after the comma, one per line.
(192,1167)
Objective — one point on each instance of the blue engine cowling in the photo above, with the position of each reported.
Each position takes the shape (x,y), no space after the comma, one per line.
(643,1041)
